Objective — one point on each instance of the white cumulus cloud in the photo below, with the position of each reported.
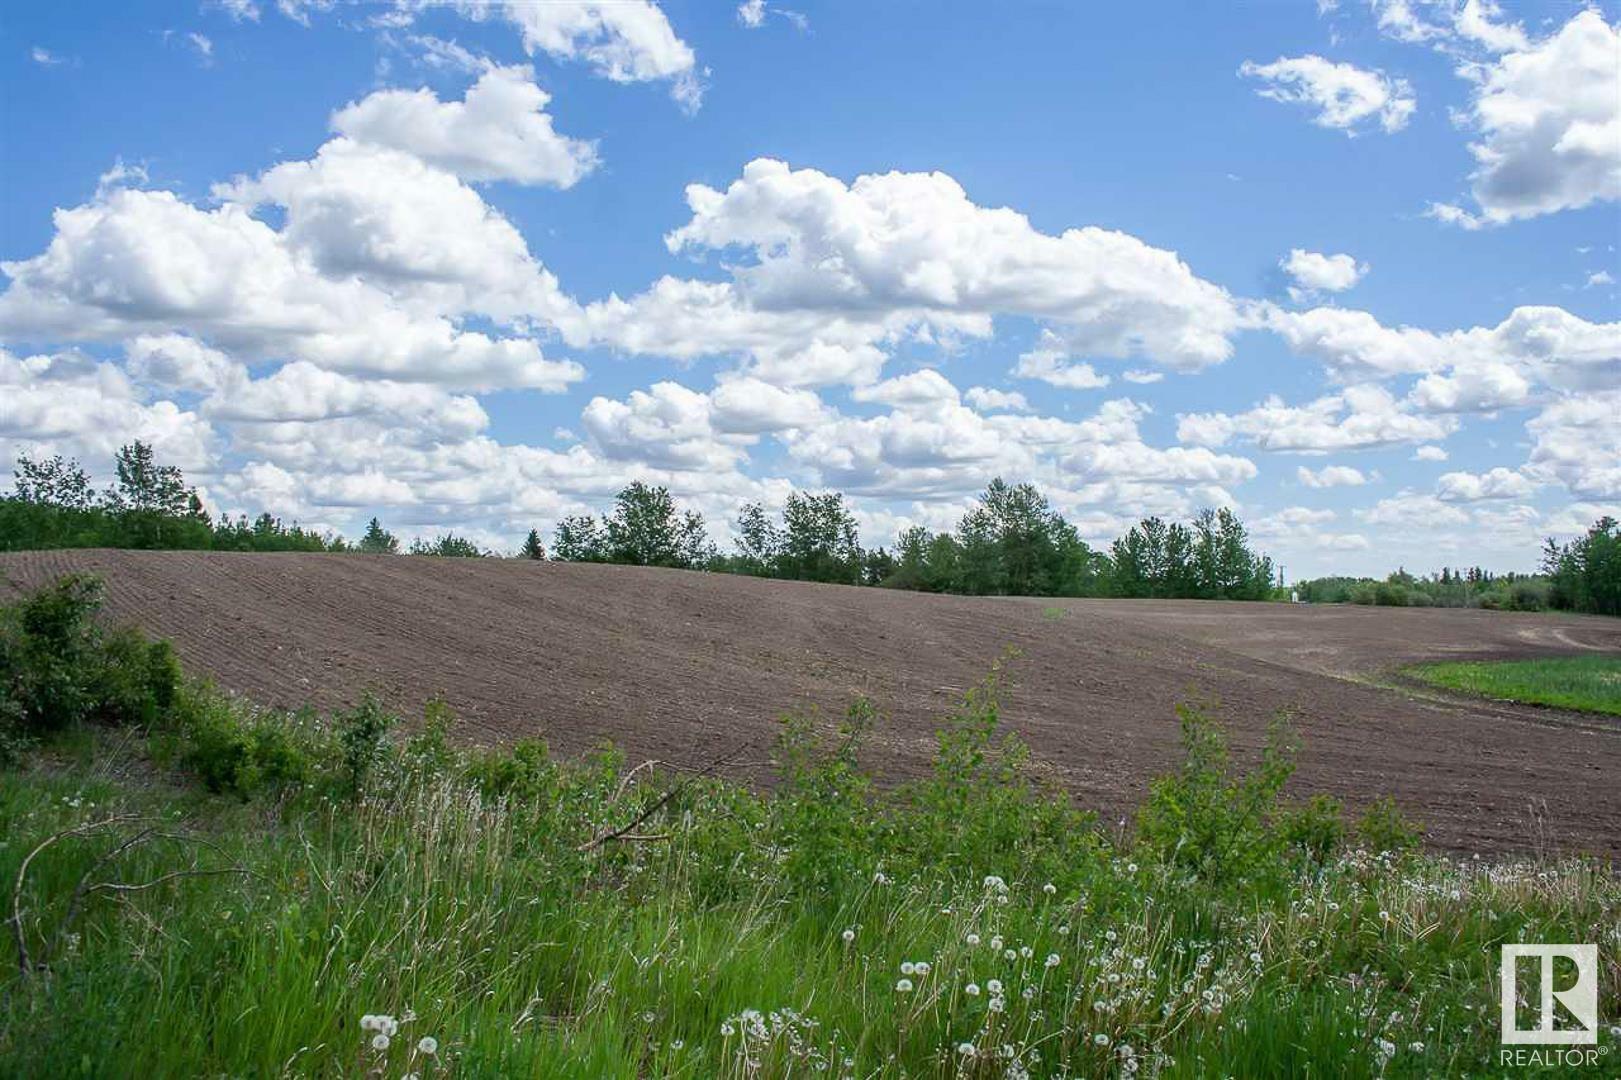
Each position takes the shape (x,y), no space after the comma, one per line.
(1343,96)
(1313,272)
(499,131)
(1331,476)
(1548,117)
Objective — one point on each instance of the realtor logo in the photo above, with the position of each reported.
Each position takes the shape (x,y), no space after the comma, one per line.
(1566,1015)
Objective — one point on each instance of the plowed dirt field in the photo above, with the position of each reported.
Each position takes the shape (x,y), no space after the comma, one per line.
(684,666)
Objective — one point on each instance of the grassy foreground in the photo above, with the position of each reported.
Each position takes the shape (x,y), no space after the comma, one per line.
(1585,683)
(214,891)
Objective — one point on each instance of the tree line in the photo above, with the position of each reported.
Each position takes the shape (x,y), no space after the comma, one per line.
(149,505)
(1583,575)
(1011,542)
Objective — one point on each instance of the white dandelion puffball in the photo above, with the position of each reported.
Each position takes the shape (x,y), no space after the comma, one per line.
(1052,959)
(908,968)
(904,986)
(994,986)
(1050,889)
(965,1049)
(428,1045)
(849,936)
(972,989)
(1101,1039)
(379,1041)
(973,939)
(921,967)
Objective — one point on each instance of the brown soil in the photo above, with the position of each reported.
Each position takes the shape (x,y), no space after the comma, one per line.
(684,666)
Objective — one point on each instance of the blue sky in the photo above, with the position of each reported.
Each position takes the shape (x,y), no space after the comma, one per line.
(1350,268)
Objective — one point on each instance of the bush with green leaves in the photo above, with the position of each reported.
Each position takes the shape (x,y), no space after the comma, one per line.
(59,666)
(1384,828)
(232,749)
(1314,830)
(1204,819)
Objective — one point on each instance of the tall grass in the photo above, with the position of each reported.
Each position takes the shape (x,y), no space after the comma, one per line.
(478,922)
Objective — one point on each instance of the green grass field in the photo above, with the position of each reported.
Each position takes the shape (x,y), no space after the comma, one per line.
(1586,683)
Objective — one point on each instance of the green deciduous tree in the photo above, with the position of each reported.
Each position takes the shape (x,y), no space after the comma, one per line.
(1585,575)
(819,539)
(56,481)
(579,539)
(144,486)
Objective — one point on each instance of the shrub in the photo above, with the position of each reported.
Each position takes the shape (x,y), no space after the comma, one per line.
(1314,829)
(1529,595)
(981,807)
(1203,820)
(362,742)
(428,752)
(526,773)
(1383,828)
(820,814)
(237,754)
(59,667)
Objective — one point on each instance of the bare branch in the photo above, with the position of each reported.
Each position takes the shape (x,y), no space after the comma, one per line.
(624,832)
(24,963)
